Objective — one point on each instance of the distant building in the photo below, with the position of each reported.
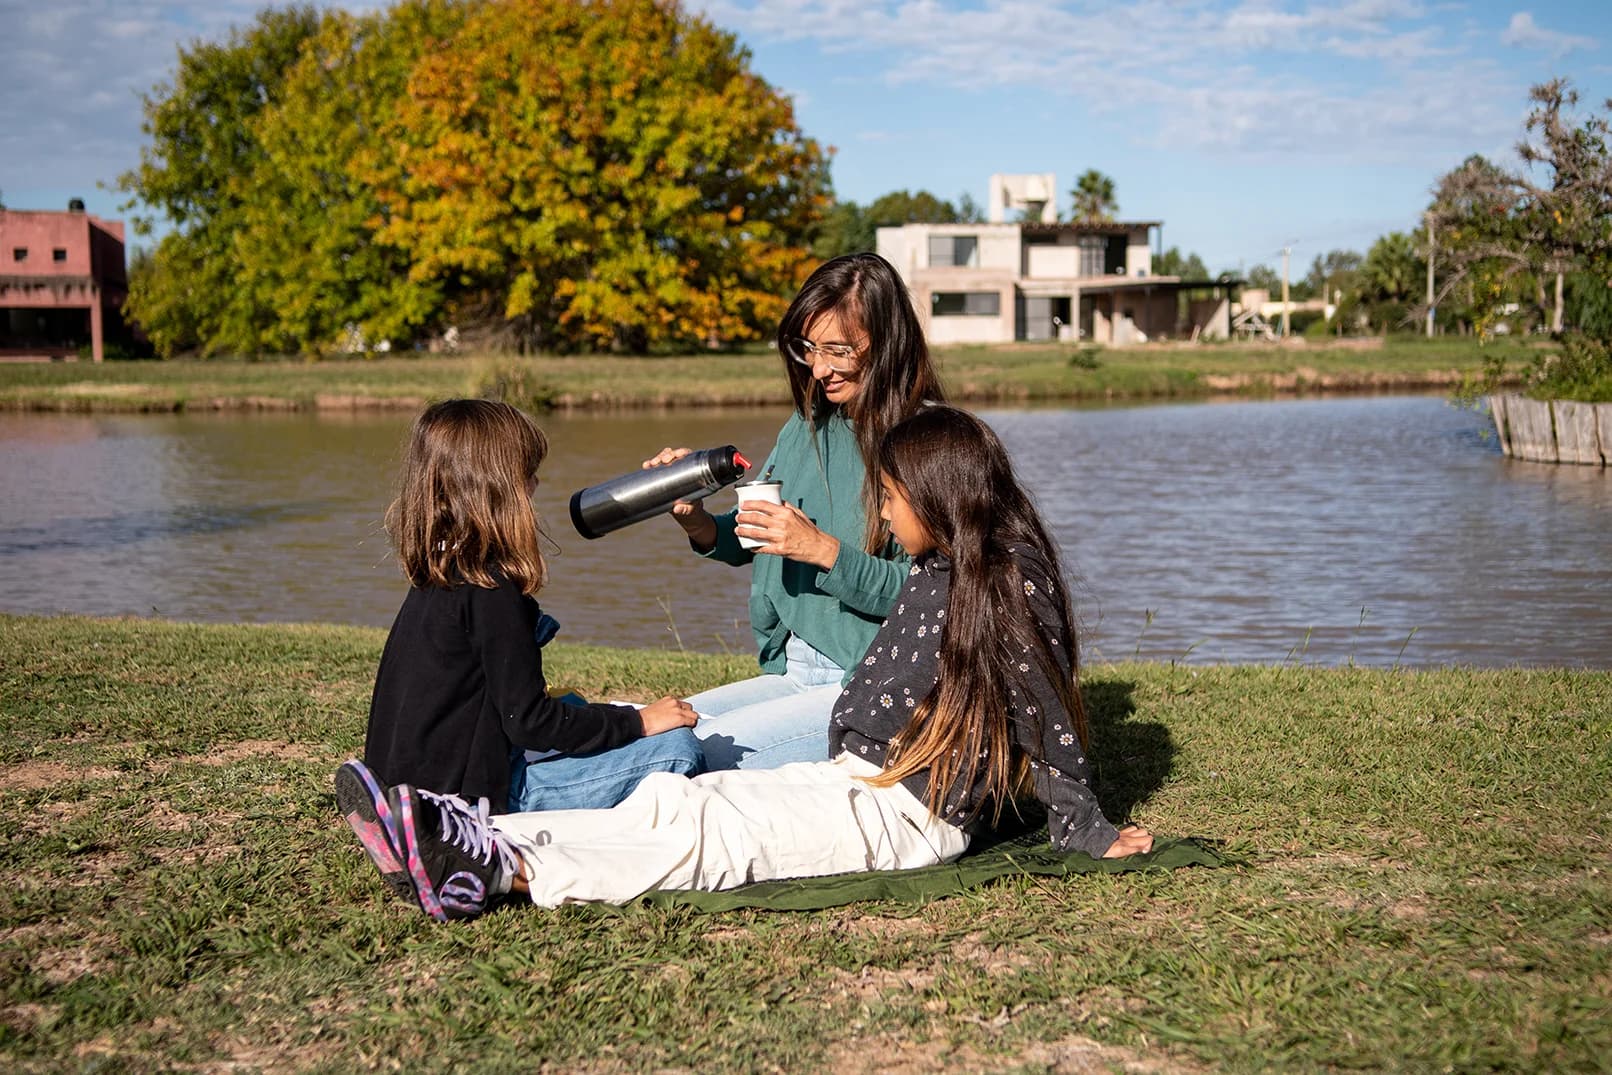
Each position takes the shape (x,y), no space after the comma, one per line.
(62,282)
(1039,280)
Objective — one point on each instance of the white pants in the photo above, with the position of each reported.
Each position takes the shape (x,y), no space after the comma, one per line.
(724,829)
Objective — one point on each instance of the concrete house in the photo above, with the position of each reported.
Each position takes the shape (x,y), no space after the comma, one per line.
(1037,279)
(62,282)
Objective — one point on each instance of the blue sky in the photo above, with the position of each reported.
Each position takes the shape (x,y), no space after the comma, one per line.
(1244,125)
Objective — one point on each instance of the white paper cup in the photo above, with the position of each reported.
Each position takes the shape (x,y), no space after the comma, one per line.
(771,492)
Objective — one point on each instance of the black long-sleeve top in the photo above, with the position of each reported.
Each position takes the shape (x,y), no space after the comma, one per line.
(461,685)
(901,667)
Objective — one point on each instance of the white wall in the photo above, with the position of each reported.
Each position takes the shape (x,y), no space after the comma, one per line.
(1060,262)
(1138,255)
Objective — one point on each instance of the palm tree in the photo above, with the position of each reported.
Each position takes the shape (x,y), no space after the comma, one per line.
(1093,195)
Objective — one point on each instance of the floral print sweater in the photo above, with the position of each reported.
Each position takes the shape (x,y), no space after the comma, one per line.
(901,667)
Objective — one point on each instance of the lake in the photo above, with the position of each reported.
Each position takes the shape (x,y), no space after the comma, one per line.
(1378,531)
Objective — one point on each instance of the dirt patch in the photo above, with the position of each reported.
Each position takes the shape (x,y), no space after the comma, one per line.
(59,966)
(890,1055)
(871,982)
(39,775)
(991,959)
(880,927)
(254,750)
(56,957)
(30,1018)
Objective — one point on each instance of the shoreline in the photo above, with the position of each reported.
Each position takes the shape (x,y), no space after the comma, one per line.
(1297,384)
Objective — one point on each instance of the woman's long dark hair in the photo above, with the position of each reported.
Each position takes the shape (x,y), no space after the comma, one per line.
(895,376)
(960,483)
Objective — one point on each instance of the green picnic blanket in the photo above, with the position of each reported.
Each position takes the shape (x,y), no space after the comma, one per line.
(988,859)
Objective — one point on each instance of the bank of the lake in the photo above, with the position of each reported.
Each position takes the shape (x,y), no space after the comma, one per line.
(1423,885)
(1003,373)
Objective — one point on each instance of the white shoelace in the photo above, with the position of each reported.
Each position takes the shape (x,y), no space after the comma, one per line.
(466,827)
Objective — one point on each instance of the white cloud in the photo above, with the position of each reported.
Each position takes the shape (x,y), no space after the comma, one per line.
(1524,33)
(74,72)
(1249,76)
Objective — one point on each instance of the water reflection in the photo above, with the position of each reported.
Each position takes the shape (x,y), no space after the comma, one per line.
(1373,530)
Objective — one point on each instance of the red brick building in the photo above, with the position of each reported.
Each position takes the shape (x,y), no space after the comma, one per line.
(62,282)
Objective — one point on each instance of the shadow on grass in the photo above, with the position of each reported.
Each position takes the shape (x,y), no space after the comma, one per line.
(1131,759)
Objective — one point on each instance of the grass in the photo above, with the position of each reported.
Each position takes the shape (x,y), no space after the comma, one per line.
(1424,884)
(1019,372)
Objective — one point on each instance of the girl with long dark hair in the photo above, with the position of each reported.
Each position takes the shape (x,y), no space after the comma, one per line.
(966,702)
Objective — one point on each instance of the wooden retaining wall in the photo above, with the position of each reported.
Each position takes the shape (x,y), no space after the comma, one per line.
(1553,431)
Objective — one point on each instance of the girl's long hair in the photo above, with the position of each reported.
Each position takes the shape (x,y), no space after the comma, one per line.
(463,509)
(961,486)
(895,376)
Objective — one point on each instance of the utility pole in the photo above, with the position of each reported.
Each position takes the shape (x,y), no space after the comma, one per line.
(1286,321)
(1431,246)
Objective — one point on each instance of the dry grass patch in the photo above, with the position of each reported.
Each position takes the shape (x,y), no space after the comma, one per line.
(42,775)
(889,1054)
(41,946)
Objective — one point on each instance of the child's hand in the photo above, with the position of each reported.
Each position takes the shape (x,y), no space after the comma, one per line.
(665,714)
(1133,840)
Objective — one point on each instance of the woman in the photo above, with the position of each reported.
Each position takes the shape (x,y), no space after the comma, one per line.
(827,570)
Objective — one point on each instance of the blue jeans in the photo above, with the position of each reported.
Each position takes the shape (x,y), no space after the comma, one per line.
(601,780)
(770,720)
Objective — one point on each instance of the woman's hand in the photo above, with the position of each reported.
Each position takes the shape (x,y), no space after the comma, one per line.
(664,714)
(1133,840)
(690,514)
(787,532)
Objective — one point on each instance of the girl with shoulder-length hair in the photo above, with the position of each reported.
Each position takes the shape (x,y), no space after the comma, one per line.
(826,569)
(460,701)
(967,700)
(463,511)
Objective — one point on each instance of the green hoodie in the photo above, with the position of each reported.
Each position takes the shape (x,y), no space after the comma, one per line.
(836,612)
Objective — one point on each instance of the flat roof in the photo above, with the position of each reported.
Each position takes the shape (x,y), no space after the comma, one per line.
(1088,227)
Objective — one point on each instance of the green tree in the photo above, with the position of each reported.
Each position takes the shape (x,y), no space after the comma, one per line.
(1093,197)
(198,171)
(1173,263)
(1391,279)
(1332,272)
(1265,277)
(305,241)
(1499,230)
(844,230)
(849,228)
(968,210)
(600,173)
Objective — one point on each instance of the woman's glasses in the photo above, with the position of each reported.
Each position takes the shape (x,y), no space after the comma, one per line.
(840,357)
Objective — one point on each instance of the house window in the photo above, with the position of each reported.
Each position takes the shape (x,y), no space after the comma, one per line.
(19,253)
(1093,254)
(966,303)
(58,255)
(954,251)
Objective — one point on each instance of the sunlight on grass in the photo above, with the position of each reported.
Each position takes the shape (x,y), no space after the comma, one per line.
(1423,884)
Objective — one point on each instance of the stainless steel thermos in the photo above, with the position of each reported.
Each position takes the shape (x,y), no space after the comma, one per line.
(631,498)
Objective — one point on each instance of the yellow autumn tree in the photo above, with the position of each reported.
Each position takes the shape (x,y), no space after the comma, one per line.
(597,174)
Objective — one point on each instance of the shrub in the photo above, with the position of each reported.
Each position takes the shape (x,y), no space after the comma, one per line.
(1581,371)
(511,379)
